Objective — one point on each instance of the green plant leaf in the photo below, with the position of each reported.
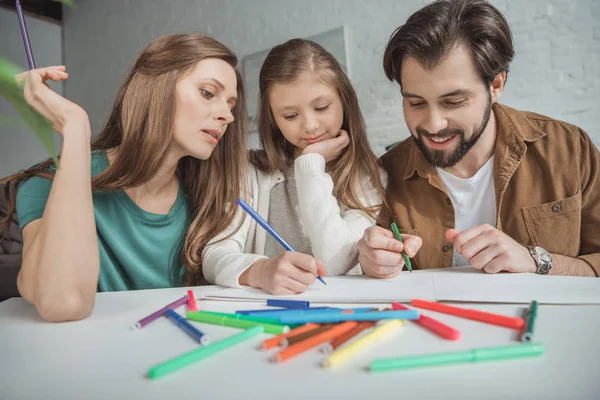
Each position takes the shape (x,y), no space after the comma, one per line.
(10,90)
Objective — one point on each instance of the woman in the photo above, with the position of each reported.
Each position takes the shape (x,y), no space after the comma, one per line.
(162,172)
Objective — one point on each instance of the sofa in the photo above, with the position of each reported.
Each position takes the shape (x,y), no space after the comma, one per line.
(10,253)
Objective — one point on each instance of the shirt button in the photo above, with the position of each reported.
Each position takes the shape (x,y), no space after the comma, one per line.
(448,201)
(447,248)
(556,207)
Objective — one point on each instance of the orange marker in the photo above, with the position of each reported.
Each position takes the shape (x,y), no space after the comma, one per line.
(314,341)
(192,301)
(287,342)
(276,340)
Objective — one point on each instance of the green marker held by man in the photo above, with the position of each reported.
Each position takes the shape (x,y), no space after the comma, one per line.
(404,255)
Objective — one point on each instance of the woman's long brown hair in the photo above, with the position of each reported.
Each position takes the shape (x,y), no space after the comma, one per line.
(140,126)
(284,64)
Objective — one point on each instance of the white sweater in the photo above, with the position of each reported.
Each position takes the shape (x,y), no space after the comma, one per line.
(333,229)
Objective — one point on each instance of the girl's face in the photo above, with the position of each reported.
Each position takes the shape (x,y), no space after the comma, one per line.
(306,110)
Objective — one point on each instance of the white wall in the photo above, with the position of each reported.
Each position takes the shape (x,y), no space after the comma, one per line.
(19,147)
(556,70)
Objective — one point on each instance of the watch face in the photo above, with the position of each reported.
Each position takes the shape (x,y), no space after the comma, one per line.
(543,254)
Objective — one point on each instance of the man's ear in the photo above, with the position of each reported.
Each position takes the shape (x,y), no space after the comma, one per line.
(497,86)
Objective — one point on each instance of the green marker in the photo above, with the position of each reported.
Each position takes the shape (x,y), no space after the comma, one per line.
(527,336)
(246,317)
(262,320)
(477,355)
(397,233)
(225,320)
(201,353)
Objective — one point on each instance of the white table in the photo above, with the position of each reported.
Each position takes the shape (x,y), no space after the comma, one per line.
(101,358)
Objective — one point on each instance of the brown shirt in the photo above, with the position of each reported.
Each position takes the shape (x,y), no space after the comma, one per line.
(547,181)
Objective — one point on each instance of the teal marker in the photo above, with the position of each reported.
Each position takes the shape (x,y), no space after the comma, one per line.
(527,336)
(397,234)
(468,356)
(360,316)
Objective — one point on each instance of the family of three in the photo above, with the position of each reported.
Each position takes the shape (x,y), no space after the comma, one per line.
(150,201)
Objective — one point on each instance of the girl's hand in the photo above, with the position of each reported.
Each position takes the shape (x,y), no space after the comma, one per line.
(330,149)
(289,273)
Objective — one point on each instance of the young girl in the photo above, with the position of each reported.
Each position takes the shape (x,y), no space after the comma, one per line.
(163,169)
(316,180)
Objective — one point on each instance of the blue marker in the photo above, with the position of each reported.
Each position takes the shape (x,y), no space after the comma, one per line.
(287,303)
(362,316)
(268,228)
(307,311)
(188,328)
(265,312)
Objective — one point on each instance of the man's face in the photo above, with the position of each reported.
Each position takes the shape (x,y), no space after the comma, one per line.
(447,108)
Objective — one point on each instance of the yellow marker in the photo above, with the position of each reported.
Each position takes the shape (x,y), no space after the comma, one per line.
(343,354)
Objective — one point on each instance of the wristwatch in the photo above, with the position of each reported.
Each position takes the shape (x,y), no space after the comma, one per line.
(542,259)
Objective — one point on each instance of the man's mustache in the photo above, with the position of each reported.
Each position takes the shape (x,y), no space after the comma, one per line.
(443,134)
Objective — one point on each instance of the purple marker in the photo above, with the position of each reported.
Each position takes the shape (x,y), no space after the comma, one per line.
(157,314)
(25,35)
(264,312)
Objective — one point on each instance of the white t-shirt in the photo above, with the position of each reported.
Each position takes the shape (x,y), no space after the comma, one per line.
(474,201)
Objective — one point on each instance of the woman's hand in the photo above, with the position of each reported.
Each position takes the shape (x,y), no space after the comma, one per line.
(55,108)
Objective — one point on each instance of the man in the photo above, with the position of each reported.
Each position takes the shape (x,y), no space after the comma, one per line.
(480,183)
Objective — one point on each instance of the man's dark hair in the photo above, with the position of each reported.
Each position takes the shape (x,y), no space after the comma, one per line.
(430,33)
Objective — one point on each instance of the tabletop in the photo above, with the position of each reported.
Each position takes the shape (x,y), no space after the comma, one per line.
(102,358)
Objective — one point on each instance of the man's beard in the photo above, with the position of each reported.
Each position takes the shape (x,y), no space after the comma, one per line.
(440,158)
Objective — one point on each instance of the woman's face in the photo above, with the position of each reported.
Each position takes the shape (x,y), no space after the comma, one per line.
(204,101)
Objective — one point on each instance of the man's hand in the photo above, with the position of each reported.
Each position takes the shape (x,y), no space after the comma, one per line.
(380,254)
(488,249)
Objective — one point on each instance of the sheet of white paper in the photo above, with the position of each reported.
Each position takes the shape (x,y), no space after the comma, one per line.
(349,289)
(464,284)
(470,285)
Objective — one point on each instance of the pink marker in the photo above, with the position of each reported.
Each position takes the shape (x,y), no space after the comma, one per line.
(433,325)
(192,301)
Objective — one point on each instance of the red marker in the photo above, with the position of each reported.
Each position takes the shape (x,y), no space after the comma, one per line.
(192,302)
(433,325)
(476,315)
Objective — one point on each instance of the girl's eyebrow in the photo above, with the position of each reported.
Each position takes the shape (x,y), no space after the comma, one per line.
(289,107)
